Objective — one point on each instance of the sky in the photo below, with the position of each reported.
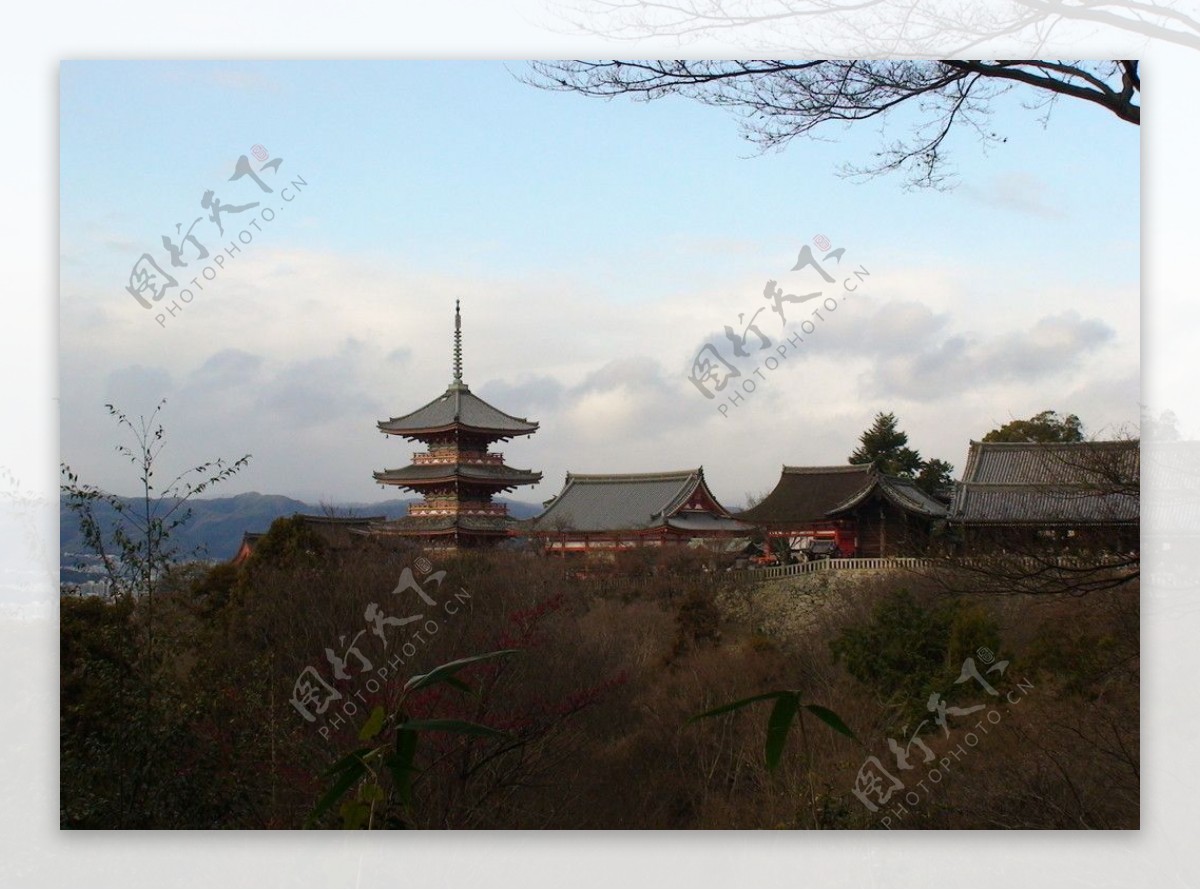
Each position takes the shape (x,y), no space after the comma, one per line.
(991,258)
(597,247)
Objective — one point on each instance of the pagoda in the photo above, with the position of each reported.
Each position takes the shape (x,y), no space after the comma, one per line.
(456,476)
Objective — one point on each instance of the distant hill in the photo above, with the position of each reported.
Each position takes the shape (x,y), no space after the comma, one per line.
(217,524)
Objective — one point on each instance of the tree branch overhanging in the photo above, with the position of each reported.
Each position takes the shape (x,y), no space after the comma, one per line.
(777,100)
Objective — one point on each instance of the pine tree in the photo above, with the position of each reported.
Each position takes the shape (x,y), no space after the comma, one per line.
(885,445)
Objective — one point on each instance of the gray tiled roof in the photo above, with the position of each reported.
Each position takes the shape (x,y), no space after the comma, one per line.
(487,473)
(904,493)
(315,519)
(807,494)
(1049,483)
(1050,463)
(621,501)
(1017,504)
(415,525)
(693,521)
(458,406)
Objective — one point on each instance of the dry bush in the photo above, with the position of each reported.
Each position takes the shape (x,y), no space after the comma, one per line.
(597,702)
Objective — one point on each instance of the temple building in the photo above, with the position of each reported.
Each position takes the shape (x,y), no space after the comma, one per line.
(1022,496)
(338,532)
(620,511)
(456,475)
(866,513)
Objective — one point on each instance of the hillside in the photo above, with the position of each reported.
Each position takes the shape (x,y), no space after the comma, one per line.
(217,524)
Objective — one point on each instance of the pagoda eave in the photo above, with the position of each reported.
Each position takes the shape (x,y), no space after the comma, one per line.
(413,477)
(417,433)
(432,526)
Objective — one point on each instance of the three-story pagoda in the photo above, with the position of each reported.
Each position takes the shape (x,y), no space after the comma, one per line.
(456,475)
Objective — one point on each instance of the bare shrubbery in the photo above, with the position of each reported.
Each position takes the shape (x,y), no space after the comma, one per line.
(595,704)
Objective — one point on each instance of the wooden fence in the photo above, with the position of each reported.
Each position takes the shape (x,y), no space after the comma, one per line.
(834,565)
(982,563)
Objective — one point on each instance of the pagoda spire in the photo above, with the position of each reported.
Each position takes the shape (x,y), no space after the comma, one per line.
(457,476)
(457,344)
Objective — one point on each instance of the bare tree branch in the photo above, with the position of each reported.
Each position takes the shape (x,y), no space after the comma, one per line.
(777,101)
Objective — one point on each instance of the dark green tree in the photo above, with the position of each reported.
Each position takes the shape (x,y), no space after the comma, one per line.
(935,479)
(1046,426)
(909,645)
(885,445)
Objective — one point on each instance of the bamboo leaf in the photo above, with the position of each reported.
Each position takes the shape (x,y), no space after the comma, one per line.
(462,727)
(349,776)
(441,673)
(347,762)
(733,706)
(830,719)
(374,723)
(778,725)
(400,764)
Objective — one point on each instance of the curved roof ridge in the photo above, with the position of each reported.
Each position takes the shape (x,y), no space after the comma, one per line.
(1124,443)
(623,477)
(831,468)
(465,409)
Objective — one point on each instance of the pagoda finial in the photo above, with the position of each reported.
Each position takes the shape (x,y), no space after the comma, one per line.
(457,344)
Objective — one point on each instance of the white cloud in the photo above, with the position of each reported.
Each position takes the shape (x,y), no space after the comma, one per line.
(1019,191)
(294,355)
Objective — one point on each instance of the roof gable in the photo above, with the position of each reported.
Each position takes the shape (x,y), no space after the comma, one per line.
(621,501)
(805,494)
(902,493)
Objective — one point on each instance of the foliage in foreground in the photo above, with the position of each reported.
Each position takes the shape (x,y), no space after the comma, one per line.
(588,728)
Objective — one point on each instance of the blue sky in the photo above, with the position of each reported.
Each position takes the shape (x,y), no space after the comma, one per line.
(596,247)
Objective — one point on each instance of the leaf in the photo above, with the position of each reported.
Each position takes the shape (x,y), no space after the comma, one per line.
(733,706)
(370,793)
(374,723)
(349,776)
(460,726)
(400,764)
(441,673)
(778,725)
(830,719)
(348,761)
(354,814)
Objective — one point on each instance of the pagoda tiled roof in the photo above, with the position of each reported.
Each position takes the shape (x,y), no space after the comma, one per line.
(458,407)
(439,525)
(494,474)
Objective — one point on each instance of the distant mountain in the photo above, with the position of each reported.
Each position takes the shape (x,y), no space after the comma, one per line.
(217,524)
